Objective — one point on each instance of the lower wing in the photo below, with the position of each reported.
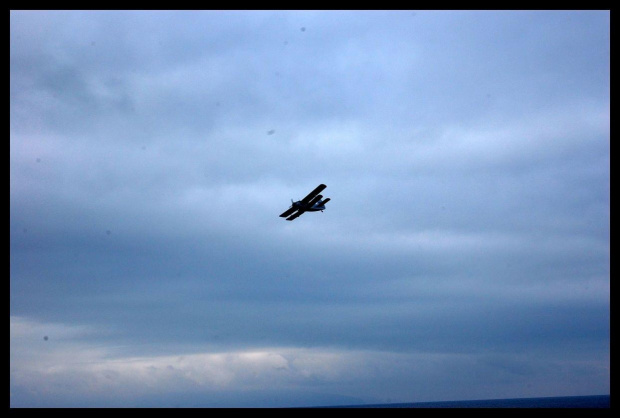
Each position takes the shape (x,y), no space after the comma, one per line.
(288,212)
(300,212)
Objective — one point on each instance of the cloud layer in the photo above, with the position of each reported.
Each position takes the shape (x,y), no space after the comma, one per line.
(67,371)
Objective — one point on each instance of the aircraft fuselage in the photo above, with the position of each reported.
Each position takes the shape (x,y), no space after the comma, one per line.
(319,206)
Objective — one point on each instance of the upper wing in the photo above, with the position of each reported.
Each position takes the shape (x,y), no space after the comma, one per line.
(313,193)
(288,212)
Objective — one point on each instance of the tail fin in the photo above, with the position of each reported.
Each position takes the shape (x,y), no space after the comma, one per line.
(325,201)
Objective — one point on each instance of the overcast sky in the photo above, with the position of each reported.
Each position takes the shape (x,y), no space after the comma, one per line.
(464,254)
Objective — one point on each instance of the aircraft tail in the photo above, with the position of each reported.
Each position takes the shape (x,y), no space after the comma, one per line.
(325,201)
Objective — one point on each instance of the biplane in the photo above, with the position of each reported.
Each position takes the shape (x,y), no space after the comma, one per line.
(314,202)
